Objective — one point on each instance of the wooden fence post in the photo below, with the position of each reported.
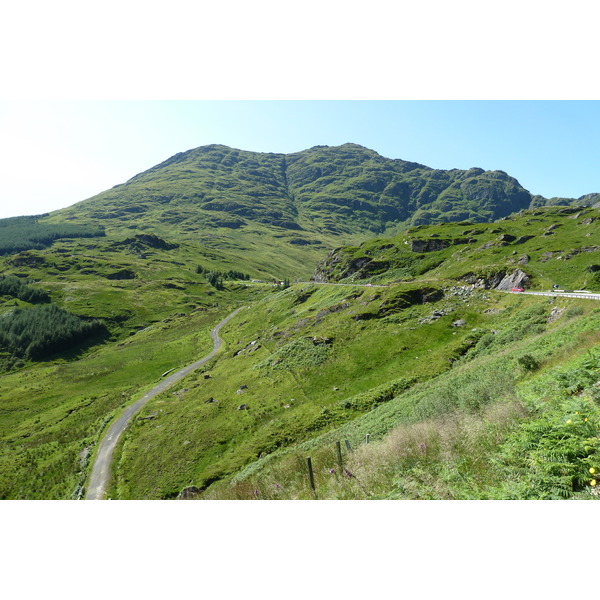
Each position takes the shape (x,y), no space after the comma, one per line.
(348,446)
(368,438)
(311,476)
(338,448)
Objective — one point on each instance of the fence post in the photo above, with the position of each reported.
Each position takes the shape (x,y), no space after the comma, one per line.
(348,446)
(338,448)
(368,438)
(311,476)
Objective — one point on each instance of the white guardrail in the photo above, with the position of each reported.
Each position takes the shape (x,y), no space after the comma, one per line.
(585,296)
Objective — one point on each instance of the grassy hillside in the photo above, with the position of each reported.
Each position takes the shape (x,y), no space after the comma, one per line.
(550,245)
(85,325)
(425,345)
(318,363)
(102,299)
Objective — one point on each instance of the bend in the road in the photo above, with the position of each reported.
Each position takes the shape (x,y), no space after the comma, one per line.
(100,475)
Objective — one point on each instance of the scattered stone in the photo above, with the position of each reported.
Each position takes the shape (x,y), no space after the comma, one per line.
(251,347)
(547,256)
(180,393)
(459,323)
(206,376)
(487,245)
(523,239)
(435,315)
(83,456)
(336,389)
(210,401)
(242,407)
(189,493)
(506,237)
(524,259)
(554,314)
(149,417)
(319,341)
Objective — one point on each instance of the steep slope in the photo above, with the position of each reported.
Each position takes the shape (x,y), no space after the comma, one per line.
(298,206)
(346,189)
(314,359)
(549,246)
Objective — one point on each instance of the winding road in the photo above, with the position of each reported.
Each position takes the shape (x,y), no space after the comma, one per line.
(100,475)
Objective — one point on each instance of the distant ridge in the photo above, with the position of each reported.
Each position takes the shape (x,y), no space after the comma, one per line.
(300,204)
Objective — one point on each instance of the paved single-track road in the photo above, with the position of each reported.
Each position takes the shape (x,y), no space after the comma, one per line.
(100,475)
(583,296)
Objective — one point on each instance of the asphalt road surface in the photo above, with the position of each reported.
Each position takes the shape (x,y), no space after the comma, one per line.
(584,296)
(100,475)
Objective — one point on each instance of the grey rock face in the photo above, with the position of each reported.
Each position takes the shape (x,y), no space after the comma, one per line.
(517,279)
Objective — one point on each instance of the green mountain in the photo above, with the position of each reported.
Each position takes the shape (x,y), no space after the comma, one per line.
(283,211)
(403,334)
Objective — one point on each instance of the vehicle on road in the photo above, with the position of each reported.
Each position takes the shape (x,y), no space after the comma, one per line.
(517,290)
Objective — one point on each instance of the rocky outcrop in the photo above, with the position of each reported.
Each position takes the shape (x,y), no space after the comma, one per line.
(523,239)
(433,244)
(500,280)
(327,266)
(429,245)
(336,266)
(516,279)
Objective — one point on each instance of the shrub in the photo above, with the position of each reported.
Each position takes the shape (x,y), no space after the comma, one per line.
(528,362)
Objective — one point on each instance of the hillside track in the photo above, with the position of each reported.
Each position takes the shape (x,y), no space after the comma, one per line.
(377,285)
(100,475)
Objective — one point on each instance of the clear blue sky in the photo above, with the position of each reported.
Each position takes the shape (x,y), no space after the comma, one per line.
(55,153)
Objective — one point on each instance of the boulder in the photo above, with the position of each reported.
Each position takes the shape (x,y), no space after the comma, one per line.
(523,239)
(516,279)
(189,493)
